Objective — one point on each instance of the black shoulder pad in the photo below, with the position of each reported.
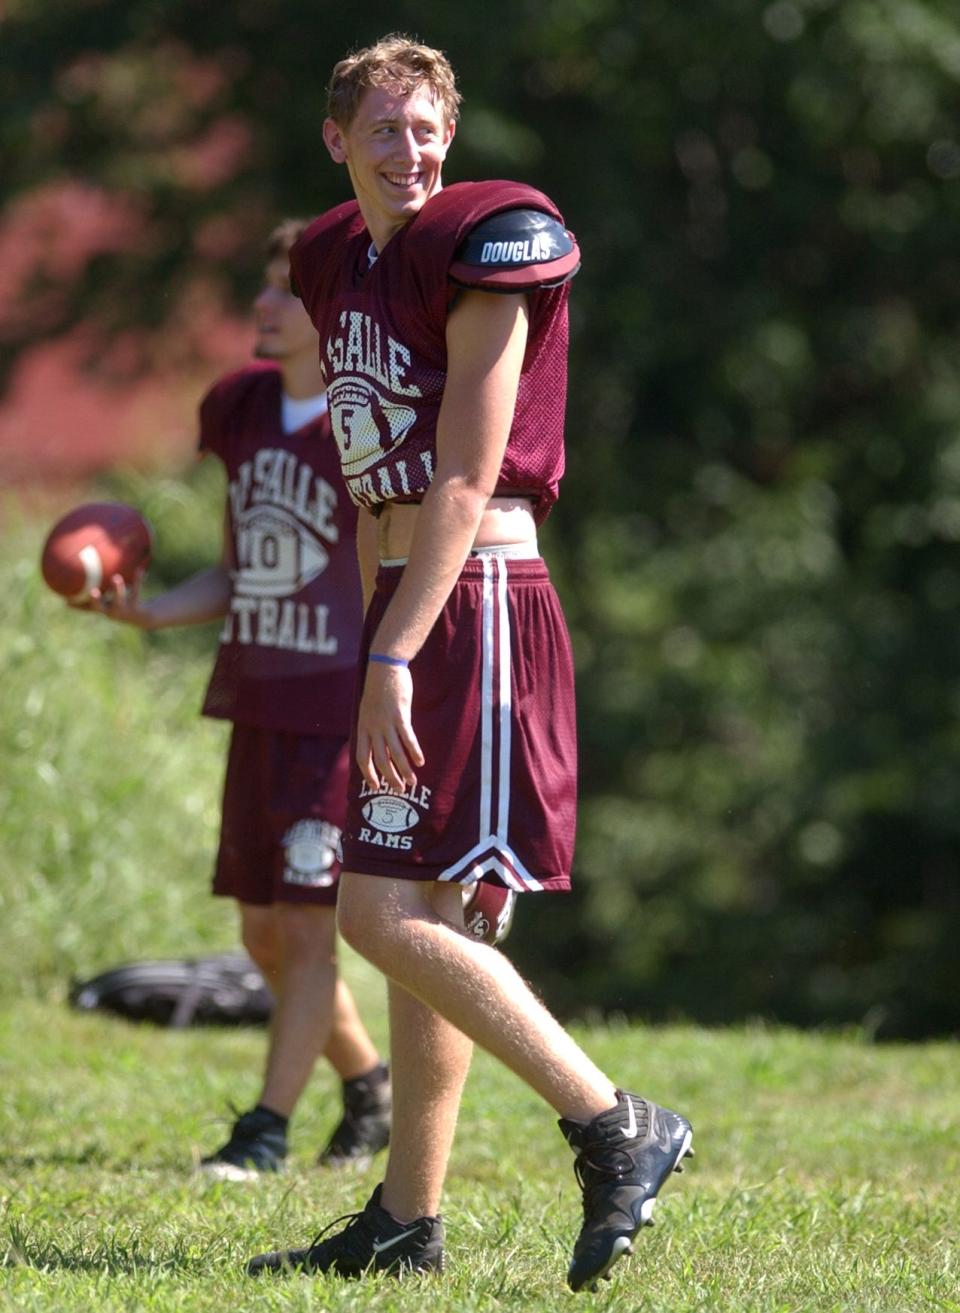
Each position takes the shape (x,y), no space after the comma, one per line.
(516,251)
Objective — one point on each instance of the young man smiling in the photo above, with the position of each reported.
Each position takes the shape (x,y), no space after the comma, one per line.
(446,373)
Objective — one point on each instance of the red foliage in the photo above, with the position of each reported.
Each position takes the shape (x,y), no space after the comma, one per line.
(209,161)
(46,241)
(61,422)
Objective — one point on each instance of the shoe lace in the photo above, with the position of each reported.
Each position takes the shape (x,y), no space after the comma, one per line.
(602,1160)
(239,1120)
(595,1168)
(350,1239)
(246,1133)
(599,1163)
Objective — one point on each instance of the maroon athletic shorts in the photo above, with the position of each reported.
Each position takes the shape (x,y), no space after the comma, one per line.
(493,709)
(284,799)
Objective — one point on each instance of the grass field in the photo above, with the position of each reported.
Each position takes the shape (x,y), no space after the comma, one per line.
(825,1179)
(827,1169)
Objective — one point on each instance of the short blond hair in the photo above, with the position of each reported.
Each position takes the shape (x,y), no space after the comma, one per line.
(397,63)
(283,237)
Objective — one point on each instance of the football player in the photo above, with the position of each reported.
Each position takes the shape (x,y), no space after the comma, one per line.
(288,588)
(442,315)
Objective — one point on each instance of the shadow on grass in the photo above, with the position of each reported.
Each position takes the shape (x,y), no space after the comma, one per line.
(113,1258)
(93,1156)
(82,1157)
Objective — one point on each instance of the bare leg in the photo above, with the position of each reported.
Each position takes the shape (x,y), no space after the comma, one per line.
(474,987)
(258,931)
(444,988)
(303,980)
(429,1062)
(300,1026)
(350,1050)
(294,946)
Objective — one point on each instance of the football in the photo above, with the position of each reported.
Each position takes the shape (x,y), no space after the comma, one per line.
(488,911)
(92,543)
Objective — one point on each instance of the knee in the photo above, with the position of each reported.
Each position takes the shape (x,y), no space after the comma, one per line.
(307,933)
(369,925)
(356,928)
(261,943)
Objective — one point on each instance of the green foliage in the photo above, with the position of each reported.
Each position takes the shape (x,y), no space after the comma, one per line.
(758,535)
(185,511)
(806,1193)
(110,783)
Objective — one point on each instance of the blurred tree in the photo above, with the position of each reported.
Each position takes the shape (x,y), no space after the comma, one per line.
(757,538)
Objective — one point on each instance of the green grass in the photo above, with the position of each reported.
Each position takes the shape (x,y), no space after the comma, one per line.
(109,782)
(827,1168)
(826,1177)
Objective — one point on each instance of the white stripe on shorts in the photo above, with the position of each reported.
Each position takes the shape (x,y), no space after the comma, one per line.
(492,853)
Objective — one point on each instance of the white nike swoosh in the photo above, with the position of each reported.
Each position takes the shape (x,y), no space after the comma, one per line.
(380,1245)
(631,1132)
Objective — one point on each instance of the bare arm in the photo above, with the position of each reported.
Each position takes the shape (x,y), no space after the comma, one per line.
(486,340)
(203,596)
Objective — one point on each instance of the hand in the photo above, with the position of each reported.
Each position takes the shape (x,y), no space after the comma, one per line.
(120,601)
(387,748)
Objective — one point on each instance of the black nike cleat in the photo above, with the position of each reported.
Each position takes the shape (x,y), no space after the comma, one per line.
(371,1241)
(364,1128)
(624,1156)
(257,1145)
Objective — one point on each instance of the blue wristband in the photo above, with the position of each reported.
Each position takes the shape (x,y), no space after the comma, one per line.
(388,660)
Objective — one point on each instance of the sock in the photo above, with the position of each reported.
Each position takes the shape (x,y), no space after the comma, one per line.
(371,1080)
(282,1122)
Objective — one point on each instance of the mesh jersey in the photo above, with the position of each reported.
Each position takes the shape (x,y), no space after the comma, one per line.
(383,346)
(288,649)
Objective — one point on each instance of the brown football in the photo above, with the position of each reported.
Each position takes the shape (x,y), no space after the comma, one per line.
(91,544)
(488,911)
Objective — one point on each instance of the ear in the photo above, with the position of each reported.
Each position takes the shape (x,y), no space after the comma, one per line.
(334,141)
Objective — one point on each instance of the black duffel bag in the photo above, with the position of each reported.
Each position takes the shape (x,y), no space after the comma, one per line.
(225,989)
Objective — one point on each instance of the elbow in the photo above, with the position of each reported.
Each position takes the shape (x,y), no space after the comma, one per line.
(468,491)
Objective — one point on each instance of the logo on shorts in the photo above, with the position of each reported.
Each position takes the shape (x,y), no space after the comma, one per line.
(311,851)
(390,813)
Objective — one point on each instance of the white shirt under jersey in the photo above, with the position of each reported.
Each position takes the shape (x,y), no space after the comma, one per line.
(294,414)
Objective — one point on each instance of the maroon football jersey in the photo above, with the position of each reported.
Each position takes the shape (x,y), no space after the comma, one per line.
(383,346)
(288,649)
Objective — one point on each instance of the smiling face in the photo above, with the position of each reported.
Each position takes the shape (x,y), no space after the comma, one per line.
(282,327)
(394,148)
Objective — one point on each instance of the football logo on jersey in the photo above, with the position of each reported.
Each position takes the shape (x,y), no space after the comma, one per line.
(390,813)
(276,554)
(311,850)
(366,425)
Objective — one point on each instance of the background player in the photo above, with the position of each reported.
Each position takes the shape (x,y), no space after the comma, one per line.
(447,405)
(288,586)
